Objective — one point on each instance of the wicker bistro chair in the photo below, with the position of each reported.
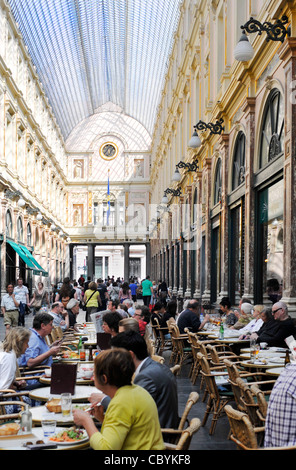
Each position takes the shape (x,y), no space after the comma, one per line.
(164,343)
(157,358)
(185,436)
(11,397)
(241,430)
(262,402)
(243,433)
(251,406)
(220,352)
(195,367)
(216,399)
(234,372)
(181,350)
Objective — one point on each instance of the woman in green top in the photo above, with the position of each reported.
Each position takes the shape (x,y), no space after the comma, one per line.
(92,300)
(131,421)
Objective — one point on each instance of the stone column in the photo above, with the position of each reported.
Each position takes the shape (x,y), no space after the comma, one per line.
(91,261)
(206,297)
(126,248)
(198,236)
(148,259)
(188,246)
(287,53)
(224,272)
(249,267)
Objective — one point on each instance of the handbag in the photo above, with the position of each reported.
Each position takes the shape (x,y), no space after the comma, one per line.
(84,305)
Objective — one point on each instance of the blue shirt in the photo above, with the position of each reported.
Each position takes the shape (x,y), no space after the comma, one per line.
(133,288)
(37,346)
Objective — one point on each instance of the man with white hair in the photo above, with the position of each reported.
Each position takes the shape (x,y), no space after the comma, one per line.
(130,306)
(73,311)
(245,317)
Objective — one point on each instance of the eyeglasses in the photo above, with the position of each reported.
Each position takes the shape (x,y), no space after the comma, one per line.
(274,311)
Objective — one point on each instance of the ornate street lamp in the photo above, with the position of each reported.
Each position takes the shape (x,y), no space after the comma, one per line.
(187,166)
(275,32)
(214,128)
(174,192)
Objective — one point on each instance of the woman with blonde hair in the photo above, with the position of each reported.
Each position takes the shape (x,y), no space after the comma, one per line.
(92,300)
(14,345)
(255,324)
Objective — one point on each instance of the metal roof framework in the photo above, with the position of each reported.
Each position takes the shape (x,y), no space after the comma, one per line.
(91,52)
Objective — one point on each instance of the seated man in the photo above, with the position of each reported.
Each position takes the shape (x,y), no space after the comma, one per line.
(281,327)
(114,306)
(280,427)
(57,311)
(189,318)
(38,351)
(73,311)
(156,378)
(245,316)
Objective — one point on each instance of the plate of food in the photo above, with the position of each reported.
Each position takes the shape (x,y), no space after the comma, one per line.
(69,436)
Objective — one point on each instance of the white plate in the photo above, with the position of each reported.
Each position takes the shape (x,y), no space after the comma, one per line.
(66,443)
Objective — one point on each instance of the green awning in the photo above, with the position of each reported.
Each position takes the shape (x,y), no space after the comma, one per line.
(28,258)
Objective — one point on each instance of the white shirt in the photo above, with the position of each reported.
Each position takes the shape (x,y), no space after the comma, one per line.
(251,327)
(21,294)
(7,369)
(140,367)
(8,303)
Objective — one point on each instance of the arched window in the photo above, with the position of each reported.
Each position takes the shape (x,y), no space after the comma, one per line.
(37,240)
(20,230)
(29,235)
(218,183)
(238,170)
(8,225)
(272,134)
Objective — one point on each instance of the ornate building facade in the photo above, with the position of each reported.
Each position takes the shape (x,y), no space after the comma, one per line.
(212,220)
(236,211)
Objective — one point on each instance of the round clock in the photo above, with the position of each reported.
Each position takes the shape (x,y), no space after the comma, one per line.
(109,151)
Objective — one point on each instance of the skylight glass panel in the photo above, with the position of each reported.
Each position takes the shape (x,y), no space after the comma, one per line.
(88,53)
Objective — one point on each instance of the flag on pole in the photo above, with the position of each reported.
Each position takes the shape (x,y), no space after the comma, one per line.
(108,199)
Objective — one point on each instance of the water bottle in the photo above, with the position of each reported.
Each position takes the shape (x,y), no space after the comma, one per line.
(26,420)
(221,331)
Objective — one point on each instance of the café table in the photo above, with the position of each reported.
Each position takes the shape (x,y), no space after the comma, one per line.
(263,353)
(17,442)
(41,412)
(79,381)
(82,392)
(265,363)
(275,371)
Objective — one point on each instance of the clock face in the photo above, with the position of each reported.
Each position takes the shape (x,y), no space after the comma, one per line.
(108,151)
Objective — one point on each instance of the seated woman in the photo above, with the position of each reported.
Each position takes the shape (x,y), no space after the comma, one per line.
(254,324)
(227,311)
(131,421)
(110,322)
(14,345)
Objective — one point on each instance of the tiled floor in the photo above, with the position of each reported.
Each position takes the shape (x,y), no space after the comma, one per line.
(201,440)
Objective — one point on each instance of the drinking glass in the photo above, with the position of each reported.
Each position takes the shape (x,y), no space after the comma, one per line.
(254,350)
(66,404)
(48,428)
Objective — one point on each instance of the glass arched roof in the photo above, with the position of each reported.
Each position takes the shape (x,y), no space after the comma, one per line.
(90,52)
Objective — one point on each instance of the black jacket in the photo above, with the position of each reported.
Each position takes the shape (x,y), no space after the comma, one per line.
(274,332)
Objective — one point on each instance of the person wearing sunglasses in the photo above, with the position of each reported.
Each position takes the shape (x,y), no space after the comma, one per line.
(277,329)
